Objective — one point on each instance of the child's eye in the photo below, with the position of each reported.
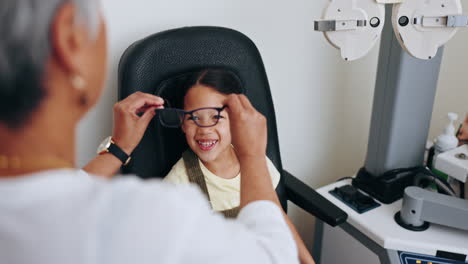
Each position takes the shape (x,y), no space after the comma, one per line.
(194,118)
(218,117)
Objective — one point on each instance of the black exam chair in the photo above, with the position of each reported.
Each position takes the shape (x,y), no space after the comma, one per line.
(149,62)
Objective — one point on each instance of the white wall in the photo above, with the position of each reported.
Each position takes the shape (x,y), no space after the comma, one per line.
(323,104)
(452,90)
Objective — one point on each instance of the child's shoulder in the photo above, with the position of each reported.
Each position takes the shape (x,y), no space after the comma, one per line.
(178,173)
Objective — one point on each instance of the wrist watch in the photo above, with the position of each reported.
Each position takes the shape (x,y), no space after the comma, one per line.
(109,146)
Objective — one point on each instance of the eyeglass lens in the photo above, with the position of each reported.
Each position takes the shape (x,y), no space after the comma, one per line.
(171,117)
(204,117)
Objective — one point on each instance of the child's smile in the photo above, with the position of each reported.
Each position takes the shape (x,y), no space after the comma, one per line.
(207,144)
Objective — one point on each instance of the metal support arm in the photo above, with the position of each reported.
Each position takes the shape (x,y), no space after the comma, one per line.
(421,206)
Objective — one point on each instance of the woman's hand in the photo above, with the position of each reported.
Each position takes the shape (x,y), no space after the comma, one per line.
(248,127)
(249,137)
(131,118)
(463,132)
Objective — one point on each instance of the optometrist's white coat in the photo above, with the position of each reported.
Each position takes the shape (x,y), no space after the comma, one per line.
(68,216)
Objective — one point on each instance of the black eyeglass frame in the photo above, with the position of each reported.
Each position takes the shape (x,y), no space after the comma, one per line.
(182,113)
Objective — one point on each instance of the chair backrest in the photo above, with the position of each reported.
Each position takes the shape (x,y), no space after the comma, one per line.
(149,62)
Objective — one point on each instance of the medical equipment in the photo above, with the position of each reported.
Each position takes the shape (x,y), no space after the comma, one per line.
(420,26)
(422,207)
(406,82)
(454,163)
(352,26)
(375,237)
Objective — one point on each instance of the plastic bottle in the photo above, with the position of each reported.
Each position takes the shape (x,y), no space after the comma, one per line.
(445,142)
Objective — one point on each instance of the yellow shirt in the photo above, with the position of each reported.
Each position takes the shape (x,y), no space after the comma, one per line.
(224,193)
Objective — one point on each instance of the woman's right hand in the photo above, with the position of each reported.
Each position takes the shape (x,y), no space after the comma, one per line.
(129,127)
(248,127)
(463,132)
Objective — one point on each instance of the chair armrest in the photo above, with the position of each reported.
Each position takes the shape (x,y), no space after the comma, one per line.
(312,202)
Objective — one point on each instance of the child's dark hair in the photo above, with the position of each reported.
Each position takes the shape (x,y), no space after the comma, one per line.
(223,81)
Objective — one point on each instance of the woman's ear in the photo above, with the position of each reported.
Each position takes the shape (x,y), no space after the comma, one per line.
(69,39)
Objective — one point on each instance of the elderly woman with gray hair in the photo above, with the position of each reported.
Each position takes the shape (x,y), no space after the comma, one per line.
(52,70)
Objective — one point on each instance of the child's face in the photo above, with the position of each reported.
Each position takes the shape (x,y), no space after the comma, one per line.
(207,142)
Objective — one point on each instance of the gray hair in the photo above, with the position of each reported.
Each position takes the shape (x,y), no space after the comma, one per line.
(25,47)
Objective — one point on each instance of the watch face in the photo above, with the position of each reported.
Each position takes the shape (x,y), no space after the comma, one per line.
(105,144)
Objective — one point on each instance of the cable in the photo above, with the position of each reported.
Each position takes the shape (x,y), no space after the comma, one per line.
(395,172)
(344,178)
(442,185)
(462,190)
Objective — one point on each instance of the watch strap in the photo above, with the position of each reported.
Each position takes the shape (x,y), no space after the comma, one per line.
(119,153)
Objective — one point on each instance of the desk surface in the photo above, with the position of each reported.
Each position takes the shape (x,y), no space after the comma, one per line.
(378,224)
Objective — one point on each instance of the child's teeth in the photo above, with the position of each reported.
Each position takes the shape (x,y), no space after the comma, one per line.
(207,143)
